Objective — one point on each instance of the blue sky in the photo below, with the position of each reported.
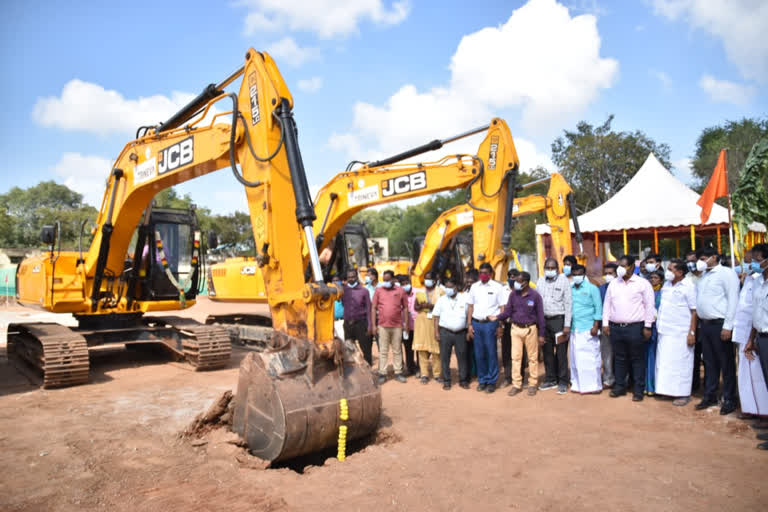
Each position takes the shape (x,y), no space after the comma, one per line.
(372,77)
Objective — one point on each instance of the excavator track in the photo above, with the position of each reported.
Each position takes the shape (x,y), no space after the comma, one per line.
(56,351)
(205,347)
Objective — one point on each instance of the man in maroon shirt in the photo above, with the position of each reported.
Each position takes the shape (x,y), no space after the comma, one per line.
(389,311)
(525,311)
(357,314)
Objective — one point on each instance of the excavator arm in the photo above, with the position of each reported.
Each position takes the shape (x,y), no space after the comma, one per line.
(452,221)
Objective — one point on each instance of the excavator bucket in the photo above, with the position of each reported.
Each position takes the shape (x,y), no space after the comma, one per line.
(287,399)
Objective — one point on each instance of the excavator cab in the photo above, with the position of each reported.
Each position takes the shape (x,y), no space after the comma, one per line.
(349,250)
(164,268)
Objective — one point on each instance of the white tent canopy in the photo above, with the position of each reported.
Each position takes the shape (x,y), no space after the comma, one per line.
(653,198)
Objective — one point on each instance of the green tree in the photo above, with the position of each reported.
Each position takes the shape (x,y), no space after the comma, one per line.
(738,137)
(597,161)
(23,212)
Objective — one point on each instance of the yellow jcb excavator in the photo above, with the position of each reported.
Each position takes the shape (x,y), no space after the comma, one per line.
(287,397)
(557,203)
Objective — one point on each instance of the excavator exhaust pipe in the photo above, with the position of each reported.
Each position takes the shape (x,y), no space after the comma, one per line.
(287,398)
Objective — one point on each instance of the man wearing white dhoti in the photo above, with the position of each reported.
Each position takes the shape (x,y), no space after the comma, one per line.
(758,338)
(584,354)
(676,325)
(753,393)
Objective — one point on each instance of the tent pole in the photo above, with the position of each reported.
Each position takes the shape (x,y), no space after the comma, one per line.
(626,246)
(693,238)
(730,221)
(677,248)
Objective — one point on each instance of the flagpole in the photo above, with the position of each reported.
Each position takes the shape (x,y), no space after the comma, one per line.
(730,221)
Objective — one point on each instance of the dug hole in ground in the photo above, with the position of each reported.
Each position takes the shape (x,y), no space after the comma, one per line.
(117,444)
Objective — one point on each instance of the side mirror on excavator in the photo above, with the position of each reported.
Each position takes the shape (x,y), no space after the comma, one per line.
(213,240)
(48,235)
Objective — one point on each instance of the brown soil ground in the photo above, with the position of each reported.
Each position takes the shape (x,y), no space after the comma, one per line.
(113,445)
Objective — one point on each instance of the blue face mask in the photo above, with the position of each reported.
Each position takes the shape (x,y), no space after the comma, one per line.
(567,270)
(511,282)
(429,283)
(407,288)
(387,284)
(756,267)
(578,279)
(737,269)
(368,279)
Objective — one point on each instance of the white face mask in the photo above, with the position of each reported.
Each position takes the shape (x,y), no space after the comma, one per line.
(450,292)
(387,284)
(578,279)
(701,265)
(650,267)
(429,283)
(518,286)
(621,271)
(407,288)
(550,274)
(608,277)
(669,275)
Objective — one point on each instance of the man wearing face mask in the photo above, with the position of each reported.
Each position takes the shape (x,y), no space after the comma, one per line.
(585,345)
(555,291)
(389,310)
(717,297)
(652,264)
(628,314)
(450,320)
(357,315)
(411,368)
(484,300)
(425,342)
(606,351)
(569,262)
(758,337)
(371,281)
(506,341)
(525,311)
(692,277)
(676,324)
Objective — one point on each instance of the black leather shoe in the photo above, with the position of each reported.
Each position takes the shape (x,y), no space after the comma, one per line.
(507,382)
(637,398)
(704,404)
(464,385)
(727,408)
(763,436)
(614,393)
(446,385)
(481,387)
(490,388)
(763,446)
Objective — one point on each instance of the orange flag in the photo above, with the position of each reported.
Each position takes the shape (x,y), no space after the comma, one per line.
(717,187)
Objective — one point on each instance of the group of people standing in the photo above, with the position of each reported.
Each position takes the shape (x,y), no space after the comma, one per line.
(643,329)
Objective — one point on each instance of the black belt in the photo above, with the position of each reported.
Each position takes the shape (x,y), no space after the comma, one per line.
(454,332)
(623,324)
(524,326)
(711,320)
(554,316)
(762,334)
(480,321)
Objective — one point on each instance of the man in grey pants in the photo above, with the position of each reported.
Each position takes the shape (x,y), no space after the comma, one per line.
(606,350)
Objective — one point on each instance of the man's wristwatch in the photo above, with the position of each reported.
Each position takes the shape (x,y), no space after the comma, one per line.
(692,333)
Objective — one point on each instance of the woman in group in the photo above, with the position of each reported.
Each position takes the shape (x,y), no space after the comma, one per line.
(656,278)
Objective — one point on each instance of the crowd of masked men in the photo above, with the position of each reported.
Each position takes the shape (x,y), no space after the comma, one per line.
(643,328)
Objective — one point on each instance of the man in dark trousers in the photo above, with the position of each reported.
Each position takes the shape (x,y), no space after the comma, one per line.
(629,310)
(357,314)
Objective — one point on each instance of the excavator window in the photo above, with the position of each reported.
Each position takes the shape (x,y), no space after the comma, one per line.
(357,250)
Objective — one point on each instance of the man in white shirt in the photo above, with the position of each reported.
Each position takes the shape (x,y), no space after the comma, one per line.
(717,297)
(693,277)
(758,337)
(485,299)
(676,323)
(450,317)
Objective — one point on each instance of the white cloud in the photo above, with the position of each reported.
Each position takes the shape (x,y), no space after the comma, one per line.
(662,77)
(723,91)
(86,174)
(289,53)
(742,26)
(541,61)
(682,170)
(311,84)
(325,18)
(89,107)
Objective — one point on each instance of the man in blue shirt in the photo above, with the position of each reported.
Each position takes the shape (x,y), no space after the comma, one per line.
(584,354)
